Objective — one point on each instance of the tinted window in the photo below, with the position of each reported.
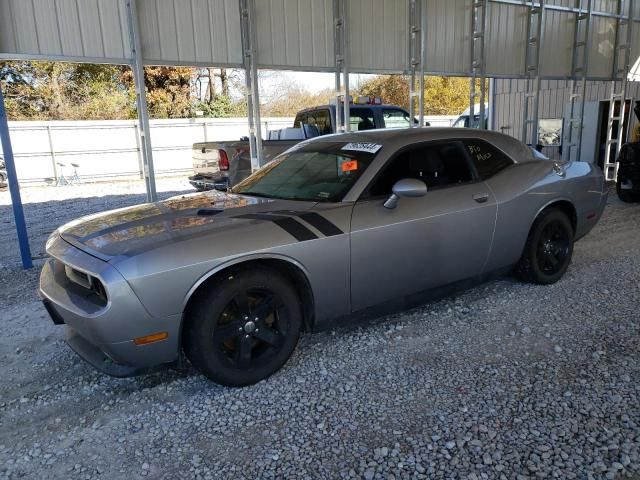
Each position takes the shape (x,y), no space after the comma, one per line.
(437,165)
(394,118)
(463,122)
(321,119)
(300,119)
(319,172)
(361,119)
(487,159)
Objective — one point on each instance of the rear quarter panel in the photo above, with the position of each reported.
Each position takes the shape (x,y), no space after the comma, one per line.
(524,190)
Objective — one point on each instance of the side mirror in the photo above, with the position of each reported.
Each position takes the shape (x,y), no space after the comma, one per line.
(407,187)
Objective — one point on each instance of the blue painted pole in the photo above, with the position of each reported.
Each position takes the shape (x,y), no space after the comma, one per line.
(14,188)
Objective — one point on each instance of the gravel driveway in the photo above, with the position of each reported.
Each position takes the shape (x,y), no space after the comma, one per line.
(506,380)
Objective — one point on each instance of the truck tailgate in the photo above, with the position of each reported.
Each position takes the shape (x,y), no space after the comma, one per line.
(205,158)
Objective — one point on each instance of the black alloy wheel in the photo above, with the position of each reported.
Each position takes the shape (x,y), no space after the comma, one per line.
(243,327)
(548,250)
(251,329)
(553,247)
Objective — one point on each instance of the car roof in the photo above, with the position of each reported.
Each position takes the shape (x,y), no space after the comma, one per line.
(399,137)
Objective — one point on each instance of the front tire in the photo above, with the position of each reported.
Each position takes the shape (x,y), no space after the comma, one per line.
(243,328)
(548,250)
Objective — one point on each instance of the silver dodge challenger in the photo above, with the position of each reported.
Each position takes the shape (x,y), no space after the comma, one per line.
(338,226)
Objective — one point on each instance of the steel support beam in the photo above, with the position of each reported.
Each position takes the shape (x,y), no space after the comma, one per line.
(618,96)
(579,71)
(491,117)
(535,42)
(141,100)
(478,60)
(14,187)
(416,60)
(341,48)
(345,65)
(338,58)
(423,59)
(248,34)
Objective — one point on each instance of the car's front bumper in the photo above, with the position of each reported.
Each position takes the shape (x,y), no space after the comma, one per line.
(103,333)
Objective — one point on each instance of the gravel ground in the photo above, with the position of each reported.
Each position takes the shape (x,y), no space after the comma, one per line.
(506,380)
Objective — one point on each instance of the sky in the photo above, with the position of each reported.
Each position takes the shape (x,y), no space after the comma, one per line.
(314,81)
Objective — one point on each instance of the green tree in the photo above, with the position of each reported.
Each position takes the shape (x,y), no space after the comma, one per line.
(65,91)
(168,91)
(442,95)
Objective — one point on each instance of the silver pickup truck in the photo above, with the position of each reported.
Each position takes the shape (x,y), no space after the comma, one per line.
(219,165)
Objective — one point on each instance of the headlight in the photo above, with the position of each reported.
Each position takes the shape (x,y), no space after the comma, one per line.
(87,281)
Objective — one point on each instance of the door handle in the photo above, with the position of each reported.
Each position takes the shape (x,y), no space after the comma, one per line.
(481,197)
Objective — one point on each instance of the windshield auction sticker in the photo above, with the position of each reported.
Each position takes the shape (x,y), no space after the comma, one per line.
(362,147)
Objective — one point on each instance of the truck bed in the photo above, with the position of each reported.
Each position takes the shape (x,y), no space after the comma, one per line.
(205,161)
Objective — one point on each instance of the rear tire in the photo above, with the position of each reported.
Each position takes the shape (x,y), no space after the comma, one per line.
(548,250)
(243,328)
(626,196)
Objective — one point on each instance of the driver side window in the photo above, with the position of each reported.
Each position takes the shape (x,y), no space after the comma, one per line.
(437,165)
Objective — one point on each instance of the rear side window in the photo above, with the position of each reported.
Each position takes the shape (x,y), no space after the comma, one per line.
(321,119)
(301,118)
(394,118)
(487,159)
(361,119)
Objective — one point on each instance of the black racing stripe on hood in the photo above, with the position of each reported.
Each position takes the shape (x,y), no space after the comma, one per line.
(295,228)
(323,225)
(288,224)
(320,223)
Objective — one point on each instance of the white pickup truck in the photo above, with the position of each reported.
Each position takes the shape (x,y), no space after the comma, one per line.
(223,164)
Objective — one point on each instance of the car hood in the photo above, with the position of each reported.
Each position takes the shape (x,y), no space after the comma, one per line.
(131,230)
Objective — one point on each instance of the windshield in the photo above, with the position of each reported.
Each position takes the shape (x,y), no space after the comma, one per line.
(319,172)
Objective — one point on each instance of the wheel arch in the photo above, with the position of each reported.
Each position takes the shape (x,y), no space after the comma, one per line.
(563,204)
(287,266)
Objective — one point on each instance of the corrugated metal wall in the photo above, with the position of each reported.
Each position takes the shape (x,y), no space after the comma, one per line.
(635,43)
(554,96)
(298,34)
(378,35)
(448,29)
(94,29)
(557,48)
(603,38)
(190,32)
(295,33)
(506,21)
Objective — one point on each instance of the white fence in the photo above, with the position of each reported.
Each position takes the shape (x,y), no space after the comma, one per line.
(106,149)
(110,149)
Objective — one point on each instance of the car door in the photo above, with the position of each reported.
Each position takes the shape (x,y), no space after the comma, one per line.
(424,242)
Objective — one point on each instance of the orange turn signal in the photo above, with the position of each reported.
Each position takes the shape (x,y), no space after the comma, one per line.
(156,337)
